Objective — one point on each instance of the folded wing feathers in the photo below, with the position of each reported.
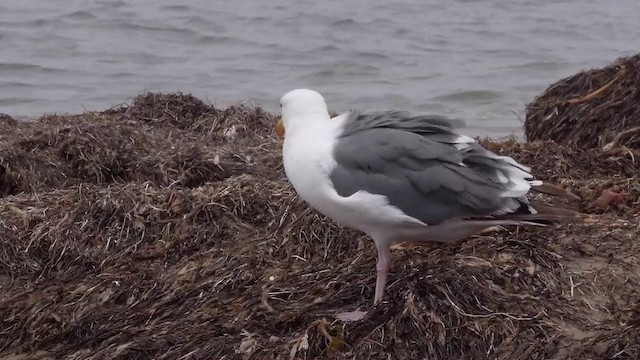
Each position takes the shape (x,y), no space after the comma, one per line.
(500,169)
(503,171)
(440,129)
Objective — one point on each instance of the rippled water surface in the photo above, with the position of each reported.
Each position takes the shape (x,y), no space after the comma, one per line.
(479,60)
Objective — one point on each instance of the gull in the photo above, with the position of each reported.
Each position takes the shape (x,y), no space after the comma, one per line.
(399,177)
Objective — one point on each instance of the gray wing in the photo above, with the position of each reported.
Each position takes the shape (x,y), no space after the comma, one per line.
(423,168)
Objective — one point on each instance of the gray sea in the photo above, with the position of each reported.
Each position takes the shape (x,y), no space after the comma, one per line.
(482,61)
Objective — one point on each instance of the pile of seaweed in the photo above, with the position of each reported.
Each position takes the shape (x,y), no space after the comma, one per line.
(165,229)
(592,108)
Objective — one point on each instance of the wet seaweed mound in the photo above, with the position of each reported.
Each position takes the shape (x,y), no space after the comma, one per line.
(592,108)
(165,229)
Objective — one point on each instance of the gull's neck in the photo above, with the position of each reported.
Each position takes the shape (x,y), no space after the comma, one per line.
(307,122)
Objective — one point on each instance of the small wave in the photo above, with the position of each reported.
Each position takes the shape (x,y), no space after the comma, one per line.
(155,28)
(326,48)
(323,73)
(539,65)
(260,19)
(372,55)
(212,39)
(343,70)
(113,3)
(345,23)
(26,23)
(175,7)
(423,77)
(11,101)
(120,75)
(14,85)
(470,95)
(28,67)
(79,15)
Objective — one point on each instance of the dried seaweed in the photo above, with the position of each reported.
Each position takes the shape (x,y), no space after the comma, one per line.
(111,147)
(592,108)
(129,238)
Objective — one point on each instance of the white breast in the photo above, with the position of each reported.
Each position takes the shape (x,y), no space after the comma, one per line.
(308,162)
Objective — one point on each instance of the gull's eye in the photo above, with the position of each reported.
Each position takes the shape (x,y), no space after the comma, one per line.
(280,105)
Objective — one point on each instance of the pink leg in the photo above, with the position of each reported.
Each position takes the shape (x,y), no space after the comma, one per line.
(382,267)
(384,263)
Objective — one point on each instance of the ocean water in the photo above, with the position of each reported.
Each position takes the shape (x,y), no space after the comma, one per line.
(481,61)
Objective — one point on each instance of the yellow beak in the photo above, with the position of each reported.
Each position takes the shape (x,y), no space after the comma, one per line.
(280,128)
